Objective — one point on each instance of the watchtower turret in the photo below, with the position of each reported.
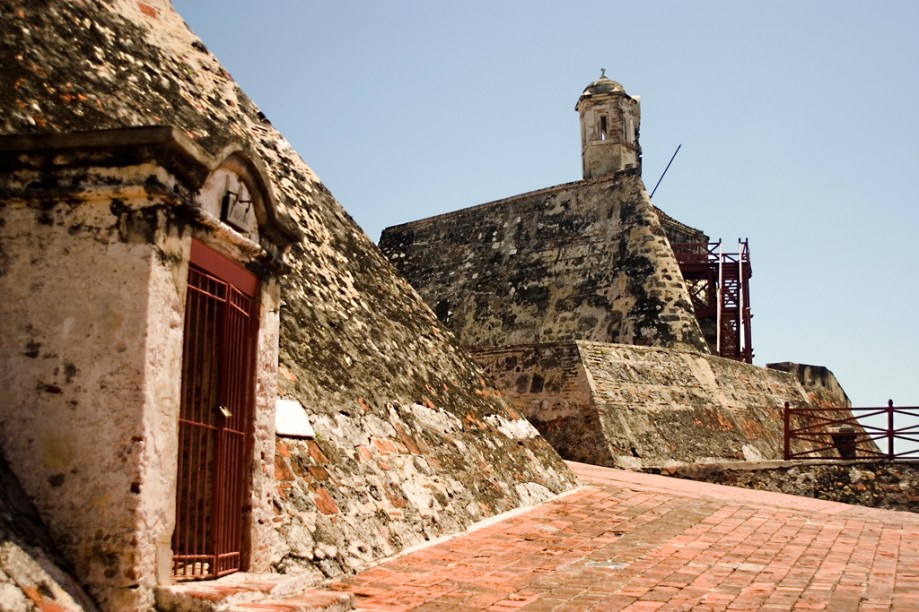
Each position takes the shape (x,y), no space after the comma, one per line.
(609,128)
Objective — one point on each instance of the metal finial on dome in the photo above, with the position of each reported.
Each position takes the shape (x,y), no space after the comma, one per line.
(602,73)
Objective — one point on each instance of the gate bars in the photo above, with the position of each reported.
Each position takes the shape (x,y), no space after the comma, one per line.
(217,406)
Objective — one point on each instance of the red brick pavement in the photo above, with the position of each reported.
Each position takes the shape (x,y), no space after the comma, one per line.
(629,541)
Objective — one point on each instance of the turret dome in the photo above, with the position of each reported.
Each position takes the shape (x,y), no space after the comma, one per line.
(603,85)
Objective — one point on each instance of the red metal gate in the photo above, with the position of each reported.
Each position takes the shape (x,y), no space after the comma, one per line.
(216,414)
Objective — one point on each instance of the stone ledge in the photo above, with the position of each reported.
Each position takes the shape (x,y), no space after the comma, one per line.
(890,485)
(244,591)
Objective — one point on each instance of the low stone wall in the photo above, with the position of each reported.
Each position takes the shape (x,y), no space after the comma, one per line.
(631,406)
(877,484)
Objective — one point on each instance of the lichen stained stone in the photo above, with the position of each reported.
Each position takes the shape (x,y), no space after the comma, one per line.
(405,449)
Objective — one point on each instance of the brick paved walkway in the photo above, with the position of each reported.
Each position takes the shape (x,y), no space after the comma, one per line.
(625,541)
(628,541)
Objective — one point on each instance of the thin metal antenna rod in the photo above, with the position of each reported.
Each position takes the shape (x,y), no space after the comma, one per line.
(665,169)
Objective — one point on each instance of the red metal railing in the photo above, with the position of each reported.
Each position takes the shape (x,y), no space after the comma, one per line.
(848,433)
(695,252)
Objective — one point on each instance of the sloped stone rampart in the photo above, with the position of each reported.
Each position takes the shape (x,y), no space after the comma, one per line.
(628,406)
(409,437)
(385,481)
(410,442)
(587,260)
(664,406)
(825,389)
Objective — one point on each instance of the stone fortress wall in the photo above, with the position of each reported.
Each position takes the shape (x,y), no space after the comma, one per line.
(678,232)
(410,441)
(581,261)
(636,407)
(572,299)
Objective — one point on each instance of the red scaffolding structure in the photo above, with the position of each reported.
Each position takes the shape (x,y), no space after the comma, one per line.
(719,286)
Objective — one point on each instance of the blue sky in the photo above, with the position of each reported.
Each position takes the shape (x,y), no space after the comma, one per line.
(799,126)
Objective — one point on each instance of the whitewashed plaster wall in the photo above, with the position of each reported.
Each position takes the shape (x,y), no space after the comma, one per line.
(89,381)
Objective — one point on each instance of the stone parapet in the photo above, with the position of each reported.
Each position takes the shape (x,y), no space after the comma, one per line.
(633,407)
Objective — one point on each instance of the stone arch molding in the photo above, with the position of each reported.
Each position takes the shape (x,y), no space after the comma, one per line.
(237,193)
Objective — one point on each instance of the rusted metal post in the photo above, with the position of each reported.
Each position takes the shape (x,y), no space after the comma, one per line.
(741,338)
(890,429)
(720,300)
(786,417)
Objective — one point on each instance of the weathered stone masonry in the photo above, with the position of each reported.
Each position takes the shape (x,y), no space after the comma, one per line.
(587,260)
(889,485)
(548,383)
(96,231)
(632,407)
(411,442)
(573,301)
